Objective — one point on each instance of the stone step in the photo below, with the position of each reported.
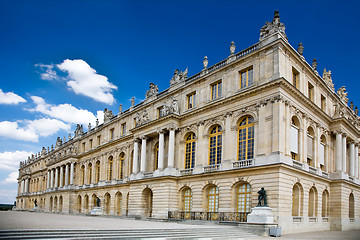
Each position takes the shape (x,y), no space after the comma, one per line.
(126,234)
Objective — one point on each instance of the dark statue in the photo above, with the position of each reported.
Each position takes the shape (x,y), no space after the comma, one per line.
(35,203)
(262,198)
(98,202)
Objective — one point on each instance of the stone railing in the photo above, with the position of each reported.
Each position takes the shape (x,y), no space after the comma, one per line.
(325,174)
(186,171)
(247,51)
(212,168)
(312,170)
(209,216)
(244,163)
(148,175)
(297,164)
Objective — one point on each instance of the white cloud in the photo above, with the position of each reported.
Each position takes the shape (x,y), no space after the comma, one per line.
(10,98)
(7,196)
(48,72)
(84,80)
(31,129)
(66,112)
(10,160)
(12,178)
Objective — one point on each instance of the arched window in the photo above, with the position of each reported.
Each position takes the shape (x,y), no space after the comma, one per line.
(97,175)
(297,200)
(244,198)
(86,204)
(121,165)
(82,175)
(325,204)
(310,146)
(213,199)
(187,200)
(246,138)
(79,204)
(90,172)
(351,206)
(322,153)
(118,203)
(294,138)
(215,145)
(107,203)
(190,151)
(312,211)
(156,156)
(110,175)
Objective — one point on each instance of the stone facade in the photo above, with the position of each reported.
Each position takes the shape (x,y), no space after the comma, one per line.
(263,117)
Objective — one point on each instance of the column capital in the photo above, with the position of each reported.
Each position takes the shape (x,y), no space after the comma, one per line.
(172,128)
(336,132)
(161,131)
(137,140)
(143,137)
(344,135)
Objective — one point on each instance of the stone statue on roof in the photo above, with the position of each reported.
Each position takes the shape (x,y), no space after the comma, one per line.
(107,115)
(272,27)
(342,94)
(178,77)
(327,78)
(58,142)
(153,91)
(79,130)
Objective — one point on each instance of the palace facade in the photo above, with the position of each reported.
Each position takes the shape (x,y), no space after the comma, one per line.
(203,148)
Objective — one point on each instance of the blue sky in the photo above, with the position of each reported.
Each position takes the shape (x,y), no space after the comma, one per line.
(63,62)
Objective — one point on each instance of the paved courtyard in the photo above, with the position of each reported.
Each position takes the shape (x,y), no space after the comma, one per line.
(11,220)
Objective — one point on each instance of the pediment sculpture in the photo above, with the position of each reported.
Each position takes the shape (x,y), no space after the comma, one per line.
(342,94)
(142,118)
(272,27)
(173,107)
(79,130)
(153,91)
(178,77)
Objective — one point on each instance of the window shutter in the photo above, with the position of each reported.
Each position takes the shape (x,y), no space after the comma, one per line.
(310,147)
(322,153)
(294,139)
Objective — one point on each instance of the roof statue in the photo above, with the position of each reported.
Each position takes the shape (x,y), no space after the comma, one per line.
(58,142)
(178,77)
(342,94)
(272,27)
(107,115)
(327,79)
(153,91)
(79,130)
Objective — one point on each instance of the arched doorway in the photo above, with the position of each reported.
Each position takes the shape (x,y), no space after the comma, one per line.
(86,204)
(60,204)
(51,204)
(147,201)
(118,197)
(79,204)
(107,199)
(55,204)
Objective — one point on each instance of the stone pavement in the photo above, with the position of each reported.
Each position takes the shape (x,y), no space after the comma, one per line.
(12,220)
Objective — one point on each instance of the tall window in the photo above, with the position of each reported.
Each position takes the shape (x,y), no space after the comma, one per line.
(156,156)
(216,90)
(325,204)
(213,199)
(312,202)
(82,175)
(160,112)
(323,103)
(351,206)
(295,78)
(90,172)
(83,147)
(322,152)
(187,200)
(110,176)
(122,161)
(246,138)
(91,143)
(294,138)
(123,128)
(190,151)
(112,133)
(310,146)
(244,198)
(246,78)
(215,145)
(97,171)
(98,140)
(190,100)
(296,200)
(310,91)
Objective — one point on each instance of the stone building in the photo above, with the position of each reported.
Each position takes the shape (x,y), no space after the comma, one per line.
(201,149)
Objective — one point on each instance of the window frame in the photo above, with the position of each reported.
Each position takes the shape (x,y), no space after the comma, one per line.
(247,80)
(217,88)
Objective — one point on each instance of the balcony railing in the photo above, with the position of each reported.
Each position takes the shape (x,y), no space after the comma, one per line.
(212,168)
(186,171)
(209,216)
(244,163)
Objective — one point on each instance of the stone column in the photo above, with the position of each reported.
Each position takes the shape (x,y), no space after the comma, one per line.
(161,150)
(135,157)
(66,174)
(356,161)
(52,178)
(344,153)
(48,180)
(352,160)
(22,187)
(143,154)
(56,177)
(338,160)
(72,174)
(171,154)
(61,176)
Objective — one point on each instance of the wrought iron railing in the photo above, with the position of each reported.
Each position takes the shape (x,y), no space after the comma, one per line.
(209,216)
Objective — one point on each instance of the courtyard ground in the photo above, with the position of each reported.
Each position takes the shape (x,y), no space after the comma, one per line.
(11,220)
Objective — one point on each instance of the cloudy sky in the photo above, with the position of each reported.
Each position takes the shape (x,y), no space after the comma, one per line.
(62,62)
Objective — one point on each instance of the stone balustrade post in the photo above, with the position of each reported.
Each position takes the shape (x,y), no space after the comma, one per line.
(143,154)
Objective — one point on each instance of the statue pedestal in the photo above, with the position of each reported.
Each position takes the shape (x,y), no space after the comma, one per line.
(260,215)
(96,211)
(34,209)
